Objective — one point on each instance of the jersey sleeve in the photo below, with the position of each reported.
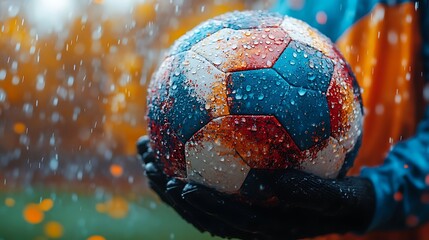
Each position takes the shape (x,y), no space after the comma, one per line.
(402,182)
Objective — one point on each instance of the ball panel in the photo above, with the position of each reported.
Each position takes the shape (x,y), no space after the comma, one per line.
(303,66)
(251,19)
(211,162)
(197,90)
(186,114)
(261,141)
(194,36)
(350,157)
(168,148)
(345,107)
(233,50)
(302,32)
(327,161)
(303,113)
(158,92)
(206,83)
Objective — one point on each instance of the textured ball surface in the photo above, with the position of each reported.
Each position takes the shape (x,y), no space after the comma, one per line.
(253,90)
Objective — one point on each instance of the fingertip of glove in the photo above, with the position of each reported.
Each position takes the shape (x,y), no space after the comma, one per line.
(190,188)
(175,184)
(151,169)
(143,144)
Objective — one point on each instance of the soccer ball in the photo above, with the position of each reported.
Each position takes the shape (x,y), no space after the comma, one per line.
(253,90)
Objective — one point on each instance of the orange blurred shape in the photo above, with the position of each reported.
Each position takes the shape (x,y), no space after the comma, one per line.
(99,1)
(10,202)
(53,229)
(19,128)
(46,204)
(117,207)
(145,12)
(33,214)
(101,207)
(96,237)
(116,170)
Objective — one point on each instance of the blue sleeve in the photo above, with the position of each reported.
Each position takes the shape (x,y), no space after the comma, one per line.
(405,173)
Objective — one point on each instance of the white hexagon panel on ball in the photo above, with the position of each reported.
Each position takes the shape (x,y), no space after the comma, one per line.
(212,164)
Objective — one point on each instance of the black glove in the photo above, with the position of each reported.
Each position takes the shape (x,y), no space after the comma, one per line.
(272,204)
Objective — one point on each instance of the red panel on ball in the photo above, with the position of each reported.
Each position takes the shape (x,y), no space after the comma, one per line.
(261,141)
(168,148)
(340,100)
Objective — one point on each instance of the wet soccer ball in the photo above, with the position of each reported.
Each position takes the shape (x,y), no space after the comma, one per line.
(253,90)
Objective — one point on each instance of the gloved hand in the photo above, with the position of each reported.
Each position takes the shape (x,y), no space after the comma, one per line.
(300,204)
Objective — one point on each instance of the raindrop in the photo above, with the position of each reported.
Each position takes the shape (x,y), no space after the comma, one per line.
(15,80)
(55,117)
(2,74)
(55,101)
(234,46)
(27,108)
(269,63)
(248,88)
(70,81)
(13,10)
(292,62)
(97,33)
(53,164)
(261,96)
(217,61)
(311,76)
(40,84)
(302,91)
(294,54)
(14,66)
(2,95)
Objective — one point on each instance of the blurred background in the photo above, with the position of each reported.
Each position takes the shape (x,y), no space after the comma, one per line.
(73,82)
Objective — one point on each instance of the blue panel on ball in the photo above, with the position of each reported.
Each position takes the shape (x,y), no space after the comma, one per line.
(186,114)
(304,113)
(303,66)
(200,32)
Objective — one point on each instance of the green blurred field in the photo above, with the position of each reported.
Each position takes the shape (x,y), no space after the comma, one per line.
(80,217)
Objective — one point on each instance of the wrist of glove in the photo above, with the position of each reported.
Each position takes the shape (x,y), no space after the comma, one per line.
(299,204)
